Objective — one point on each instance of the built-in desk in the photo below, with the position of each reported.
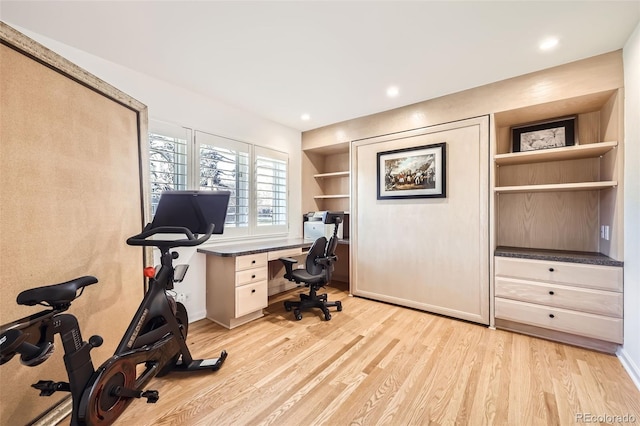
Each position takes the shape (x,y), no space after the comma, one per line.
(238,277)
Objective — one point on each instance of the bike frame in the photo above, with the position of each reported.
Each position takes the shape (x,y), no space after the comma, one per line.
(155,348)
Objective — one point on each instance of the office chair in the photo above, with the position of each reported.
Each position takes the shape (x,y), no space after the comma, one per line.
(317,273)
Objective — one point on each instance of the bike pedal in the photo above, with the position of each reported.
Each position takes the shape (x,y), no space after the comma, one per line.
(48,387)
(151,395)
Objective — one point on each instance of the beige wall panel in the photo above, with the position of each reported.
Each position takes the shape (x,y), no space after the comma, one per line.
(69,163)
(312,163)
(589,129)
(529,220)
(337,162)
(611,204)
(430,254)
(584,170)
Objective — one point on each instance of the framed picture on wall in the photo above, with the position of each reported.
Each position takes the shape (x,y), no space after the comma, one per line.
(417,172)
(546,135)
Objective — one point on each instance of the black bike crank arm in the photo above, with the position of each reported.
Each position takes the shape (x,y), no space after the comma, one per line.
(151,395)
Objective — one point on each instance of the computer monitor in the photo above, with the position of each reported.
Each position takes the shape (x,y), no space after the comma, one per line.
(194,210)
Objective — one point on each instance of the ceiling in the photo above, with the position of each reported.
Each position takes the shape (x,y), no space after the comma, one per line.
(333,60)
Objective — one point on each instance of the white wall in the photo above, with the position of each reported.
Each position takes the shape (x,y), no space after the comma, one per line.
(630,352)
(169,103)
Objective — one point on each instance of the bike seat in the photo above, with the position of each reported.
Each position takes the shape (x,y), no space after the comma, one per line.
(55,294)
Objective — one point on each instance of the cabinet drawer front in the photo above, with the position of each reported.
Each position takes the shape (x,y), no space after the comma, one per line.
(251,261)
(251,298)
(583,324)
(292,252)
(561,296)
(593,276)
(251,275)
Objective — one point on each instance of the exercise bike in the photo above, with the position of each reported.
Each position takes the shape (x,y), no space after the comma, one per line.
(155,338)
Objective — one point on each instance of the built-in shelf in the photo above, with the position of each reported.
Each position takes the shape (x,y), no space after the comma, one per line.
(331,175)
(319,197)
(556,154)
(556,187)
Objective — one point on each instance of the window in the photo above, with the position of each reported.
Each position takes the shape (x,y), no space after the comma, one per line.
(224,164)
(271,187)
(167,165)
(256,176)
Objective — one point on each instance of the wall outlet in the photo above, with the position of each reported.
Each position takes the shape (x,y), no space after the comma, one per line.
(606,232)
(181,297)
(602,231)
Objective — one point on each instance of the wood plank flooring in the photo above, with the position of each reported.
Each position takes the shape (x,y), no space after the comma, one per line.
(375,363)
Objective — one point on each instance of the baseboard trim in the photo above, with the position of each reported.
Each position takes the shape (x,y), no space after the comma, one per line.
(197,316)
(632,368)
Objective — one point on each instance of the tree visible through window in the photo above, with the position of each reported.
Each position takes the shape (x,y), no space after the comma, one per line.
(182,159)
(227,169)
(167,164)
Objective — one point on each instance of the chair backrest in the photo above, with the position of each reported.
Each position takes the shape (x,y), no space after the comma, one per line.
(317,250)
(331,247)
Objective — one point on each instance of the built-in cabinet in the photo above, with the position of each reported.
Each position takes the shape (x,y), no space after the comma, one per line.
(238,279)
(564,204)
(327,178)
(236,288)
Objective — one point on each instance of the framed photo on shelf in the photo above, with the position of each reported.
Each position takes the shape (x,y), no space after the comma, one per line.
(546,135)
(417,172)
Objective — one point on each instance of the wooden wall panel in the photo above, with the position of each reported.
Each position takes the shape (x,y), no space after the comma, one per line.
(530,220)
(70,196)
(430,254)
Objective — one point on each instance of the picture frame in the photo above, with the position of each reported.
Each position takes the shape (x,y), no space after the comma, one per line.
(545,135)
(416,172)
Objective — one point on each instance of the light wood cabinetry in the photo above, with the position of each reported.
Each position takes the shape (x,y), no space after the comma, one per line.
(326,178)
(562,200)
(237,288)
(573,299)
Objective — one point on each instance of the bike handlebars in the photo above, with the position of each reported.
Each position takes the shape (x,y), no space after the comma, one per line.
(191,240)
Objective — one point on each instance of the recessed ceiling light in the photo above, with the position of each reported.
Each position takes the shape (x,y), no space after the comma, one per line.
(392,92)
(305,117)
(549,43)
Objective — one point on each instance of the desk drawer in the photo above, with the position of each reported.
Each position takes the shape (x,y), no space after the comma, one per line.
(251,298)
(292,252)
(251,261)
(593,276)
(561,296)
(583,324)
(251,275)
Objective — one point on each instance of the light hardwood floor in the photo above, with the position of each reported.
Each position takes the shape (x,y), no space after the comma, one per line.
(375,363)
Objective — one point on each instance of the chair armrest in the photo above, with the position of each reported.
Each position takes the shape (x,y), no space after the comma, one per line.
(288,266)
(326,261)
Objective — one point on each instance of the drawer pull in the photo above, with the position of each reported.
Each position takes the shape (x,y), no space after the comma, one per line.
(551,269)
(551,293)
(551,316)
(253,291)
(253,276)
(253,262)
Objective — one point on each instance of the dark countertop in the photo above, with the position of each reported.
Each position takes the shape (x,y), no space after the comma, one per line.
(589,258)
(246,248)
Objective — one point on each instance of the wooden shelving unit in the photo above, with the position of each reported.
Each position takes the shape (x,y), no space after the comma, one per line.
(561,196)
(326,178)
(556,187)
(331,175)
(332,196)
(558,154)
(562,200)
